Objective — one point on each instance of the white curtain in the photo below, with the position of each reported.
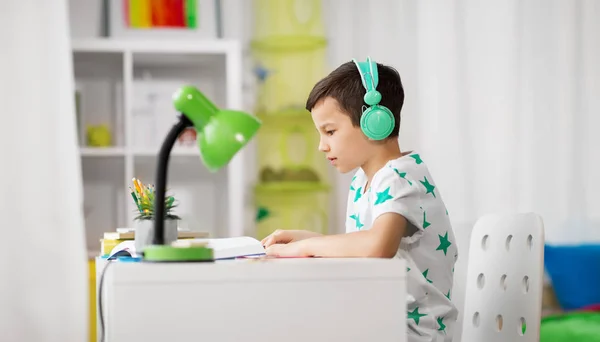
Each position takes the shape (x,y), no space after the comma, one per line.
(43,270)
(502,100)
(502,97)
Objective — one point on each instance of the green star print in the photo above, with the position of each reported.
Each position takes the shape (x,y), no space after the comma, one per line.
(425,223)
(448,295)
(441,324)
(357,194)
(429,187)
(425,276)
(417,158)
(351,183)
(356,219)
(383,196)
(444,243)
(402,175)
(415,315)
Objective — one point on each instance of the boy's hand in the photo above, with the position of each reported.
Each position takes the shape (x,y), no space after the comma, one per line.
(286,236)
(294,249)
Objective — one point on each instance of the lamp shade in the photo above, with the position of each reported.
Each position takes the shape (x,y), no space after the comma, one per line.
(221,133)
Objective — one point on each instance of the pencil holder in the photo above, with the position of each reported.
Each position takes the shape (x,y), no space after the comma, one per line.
(144,232)
(143,198)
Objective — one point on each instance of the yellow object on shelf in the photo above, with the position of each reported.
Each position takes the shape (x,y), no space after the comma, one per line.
(99,135)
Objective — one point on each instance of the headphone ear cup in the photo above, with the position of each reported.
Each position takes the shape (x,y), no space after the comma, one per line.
(377,122)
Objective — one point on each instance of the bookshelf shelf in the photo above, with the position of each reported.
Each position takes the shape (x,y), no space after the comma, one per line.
(126,85)
(102,152)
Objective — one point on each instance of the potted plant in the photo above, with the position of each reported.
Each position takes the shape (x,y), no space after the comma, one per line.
(143,197)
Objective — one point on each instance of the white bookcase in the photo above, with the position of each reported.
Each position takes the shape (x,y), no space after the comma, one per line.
(127,84)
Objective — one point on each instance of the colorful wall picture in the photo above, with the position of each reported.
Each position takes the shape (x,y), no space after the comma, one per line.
(148,14)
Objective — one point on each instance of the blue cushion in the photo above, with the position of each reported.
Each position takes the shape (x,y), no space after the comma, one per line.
(574,271)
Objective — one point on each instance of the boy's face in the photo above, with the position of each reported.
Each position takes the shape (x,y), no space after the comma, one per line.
(344,145)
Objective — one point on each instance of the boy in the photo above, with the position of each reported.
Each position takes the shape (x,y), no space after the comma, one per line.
(394,208)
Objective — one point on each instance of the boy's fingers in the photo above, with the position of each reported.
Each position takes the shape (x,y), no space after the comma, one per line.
(278,236)
(268,237)
(281,236)
(268,241)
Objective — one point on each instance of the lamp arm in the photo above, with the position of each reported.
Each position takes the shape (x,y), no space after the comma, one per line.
(161,178)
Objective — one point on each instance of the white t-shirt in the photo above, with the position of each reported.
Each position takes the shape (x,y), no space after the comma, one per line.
(404,186)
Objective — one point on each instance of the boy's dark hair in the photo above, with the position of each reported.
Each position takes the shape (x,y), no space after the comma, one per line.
(345,86)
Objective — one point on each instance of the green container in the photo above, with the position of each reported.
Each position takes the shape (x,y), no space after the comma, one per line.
(289,50)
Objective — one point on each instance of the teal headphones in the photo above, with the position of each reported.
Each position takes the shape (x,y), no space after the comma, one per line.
(377,122)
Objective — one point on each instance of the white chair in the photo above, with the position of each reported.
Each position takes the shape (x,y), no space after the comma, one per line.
(504,279)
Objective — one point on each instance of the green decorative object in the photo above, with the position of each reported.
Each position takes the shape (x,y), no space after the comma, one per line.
(262,214)
(221,133)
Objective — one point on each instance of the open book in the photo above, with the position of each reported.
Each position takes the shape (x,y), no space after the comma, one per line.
(223,248)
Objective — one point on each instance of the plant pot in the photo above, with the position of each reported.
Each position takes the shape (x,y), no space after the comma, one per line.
(144,233)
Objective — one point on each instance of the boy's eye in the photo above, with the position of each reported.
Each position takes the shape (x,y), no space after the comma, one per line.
(330,132)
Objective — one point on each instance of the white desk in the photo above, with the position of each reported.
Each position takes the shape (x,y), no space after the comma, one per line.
(256,300)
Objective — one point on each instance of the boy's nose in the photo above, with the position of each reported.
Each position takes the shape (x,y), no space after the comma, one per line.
(323,147)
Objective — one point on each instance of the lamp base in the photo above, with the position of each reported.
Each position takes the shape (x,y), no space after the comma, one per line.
(166,253)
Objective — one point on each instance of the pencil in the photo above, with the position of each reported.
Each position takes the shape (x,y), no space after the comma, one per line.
(136,186)
(135,200)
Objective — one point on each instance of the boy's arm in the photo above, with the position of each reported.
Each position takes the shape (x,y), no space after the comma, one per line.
(381,241)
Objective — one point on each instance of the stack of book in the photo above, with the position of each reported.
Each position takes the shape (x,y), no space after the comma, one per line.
(112,239)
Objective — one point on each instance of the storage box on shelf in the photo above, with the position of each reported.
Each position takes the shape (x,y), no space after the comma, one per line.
(287,72)
(293,180)
(289,51)
(128,85)
(289,48)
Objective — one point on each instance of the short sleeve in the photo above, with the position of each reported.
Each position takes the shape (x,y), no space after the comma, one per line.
(350,223)
(393,192)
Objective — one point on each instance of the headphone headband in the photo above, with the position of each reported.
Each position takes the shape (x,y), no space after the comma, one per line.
(368,73)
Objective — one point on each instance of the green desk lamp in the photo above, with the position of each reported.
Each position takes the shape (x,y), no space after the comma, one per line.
(221,134)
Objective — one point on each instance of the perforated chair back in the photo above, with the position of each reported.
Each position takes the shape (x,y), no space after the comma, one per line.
(503,300)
